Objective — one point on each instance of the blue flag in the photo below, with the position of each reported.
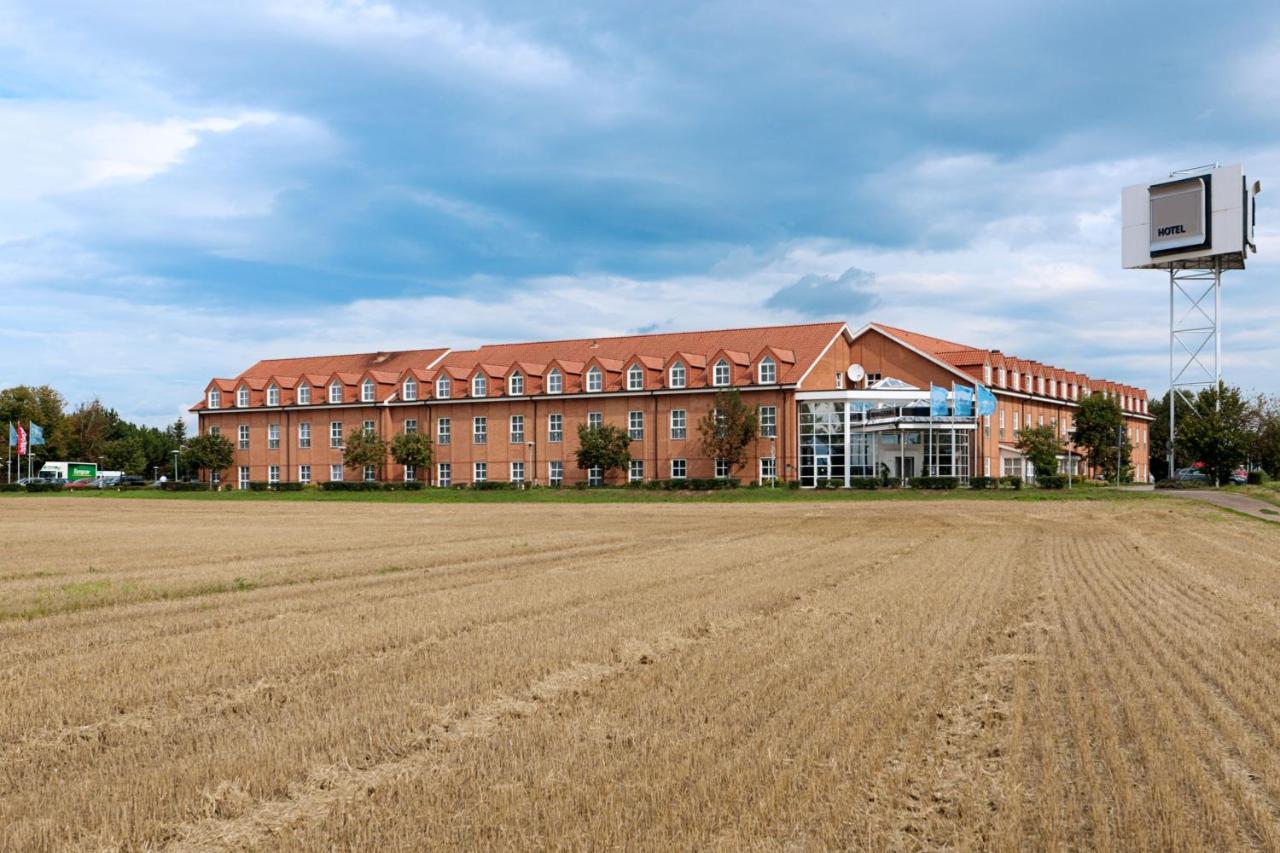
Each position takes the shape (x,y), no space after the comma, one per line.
(964,400)
(937,401)
(37,435)
(986,401)
(13,435)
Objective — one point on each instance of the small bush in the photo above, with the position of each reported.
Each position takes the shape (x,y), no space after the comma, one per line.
(864,483)
(413,485)
(288,487)
(793,484)
(984,482)
(1182,484)
(936,483)
(350,486)
(492,485)
(12,487)
(1258,478)
(1012,481)
(1052,481)
(186,487)
(258,486)
(44,487)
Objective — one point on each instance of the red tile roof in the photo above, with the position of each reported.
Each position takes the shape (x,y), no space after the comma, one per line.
(354,364)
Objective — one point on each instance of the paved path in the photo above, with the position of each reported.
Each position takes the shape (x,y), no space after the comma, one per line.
(1231,500)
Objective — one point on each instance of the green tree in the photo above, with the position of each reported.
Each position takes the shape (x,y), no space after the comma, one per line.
(1042,446)
(1264,450)
(412,448)
(1099,425)
(365,448)
(83,435)
(1215,432)
(606,447)
(39,404)
(1158,437)
(125,454)
(728,429)
(209,452)
(177,432)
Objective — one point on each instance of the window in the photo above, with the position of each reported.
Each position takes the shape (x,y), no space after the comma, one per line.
(367,426)
(479,472)
(444,475)
(676,376)
(1016,377)
(242,397)
(768,469)
(1002,377)
(635,473)
(442,388)
(839,379)
(273,395)
(444,430)
(768,421)
(335,392)
(1040,385)
(635,378)
(722,469)
(304,436)
(215,398)
(595,476)
(273,473)
(517,472)
(335,433)
(986,374)
(635,425)
(595,380)
(410,473)
(595,420)
(679,424)
(1041,420)
(479,385)
(335,473)
(555,472)
(244,436)
(370,473)
(555,428)
(304,394)
(768,372)
(986,466)
(515,384)
(367,391)
(273,436)
(244,477)
(410,391)
(679,469)
(720,373)
(873,378)
(215,430)
(555,382)
(304,474)
(986,425)
(410,426)
(1002,423)
(517,429)
(1015,423)
(479,430)
(1011,466)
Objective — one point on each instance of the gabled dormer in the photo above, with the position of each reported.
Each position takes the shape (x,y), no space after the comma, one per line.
(769,365)
(278,390)
(601,374)
(726,368)
(341,388)
(640,372)
(562,377)
(219,393)
(683,370)
(486,380)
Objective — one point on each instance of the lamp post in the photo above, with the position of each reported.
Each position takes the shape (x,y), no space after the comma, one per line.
(175,461)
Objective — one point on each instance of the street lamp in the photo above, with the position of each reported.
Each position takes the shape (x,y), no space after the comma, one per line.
(175,461)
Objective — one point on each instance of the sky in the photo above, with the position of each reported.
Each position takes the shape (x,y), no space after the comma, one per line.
(185,189)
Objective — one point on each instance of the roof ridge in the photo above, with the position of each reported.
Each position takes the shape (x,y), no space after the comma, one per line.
(681,332)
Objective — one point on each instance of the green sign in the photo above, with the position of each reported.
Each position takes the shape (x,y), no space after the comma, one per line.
(81,471)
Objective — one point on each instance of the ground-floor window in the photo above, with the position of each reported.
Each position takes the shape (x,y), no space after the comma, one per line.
(304,474)
(555,472)
(370,473)
(822,430)
(636,473)
(244,477)
(768,469)
(679,469)
(1011,466)
(517,472)
(335,473)
(479,472)
(410,473)
(722,468)
(273,473)
(444,474)
(595,476)
(216,478)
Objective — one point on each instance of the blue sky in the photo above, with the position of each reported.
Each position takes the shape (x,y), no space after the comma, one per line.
(189,188)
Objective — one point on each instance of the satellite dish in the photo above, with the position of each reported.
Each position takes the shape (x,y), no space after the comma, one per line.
(856,372)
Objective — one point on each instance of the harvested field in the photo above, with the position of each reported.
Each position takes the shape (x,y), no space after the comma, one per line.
(202,675)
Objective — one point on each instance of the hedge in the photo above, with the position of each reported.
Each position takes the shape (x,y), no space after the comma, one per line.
(1052,481)
(984,482)
(185,487)
(1258,478)
(934,482)
(1012,481)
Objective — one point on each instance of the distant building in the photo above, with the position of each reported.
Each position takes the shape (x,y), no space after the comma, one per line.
(511,411)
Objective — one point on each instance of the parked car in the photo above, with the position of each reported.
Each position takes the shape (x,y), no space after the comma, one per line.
(82,484)
(1191,475)
(1239,476)
(131,480)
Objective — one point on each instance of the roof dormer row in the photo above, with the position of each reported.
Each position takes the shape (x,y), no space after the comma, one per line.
(997,370)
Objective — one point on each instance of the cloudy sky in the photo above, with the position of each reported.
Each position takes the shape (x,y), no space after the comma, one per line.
(187,188)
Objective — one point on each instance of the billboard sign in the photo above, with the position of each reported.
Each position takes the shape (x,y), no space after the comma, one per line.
(1189,220)
(1180,215)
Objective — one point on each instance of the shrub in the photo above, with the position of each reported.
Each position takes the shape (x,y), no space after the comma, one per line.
(492,485)
(12,487)
(288,487)
(1051,481)
(258,487)
(350,486)
(983,482)
(864,483)
(939,483)
(793,484)
(1258,478)
(44,487)
(186,487)
(1012,481)
(1180,484)
(413,485)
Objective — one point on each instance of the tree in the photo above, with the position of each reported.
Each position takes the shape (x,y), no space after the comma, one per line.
(125,454)
(40,404)
(1215,432)
(1099,425)
(365,448)
(605,447)
(1158,437)
(84,434)
(1042,447)
(209,452)
(1264,450)
(728,429)
(177,432)
(412,448)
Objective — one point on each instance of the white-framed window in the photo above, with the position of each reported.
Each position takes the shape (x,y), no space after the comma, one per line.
(304,474)
(722,469)
(1002,423)
(986,374)
(595,380)
(410,426)
(304,394)
(768,371)
(243,480)
(443,388)
(1040,385)
(410,389)
(595,476)
(555,472)
(1053,387)
(839,379)
(215,398)
(1016,418)
(273,473)
(986,466)
(1011,466)
(555,381)
(335,433)
(555,428)
(679,469)
(768,417)
(872,378)
(242,397)
(768,469)
(244,437)
(517,429)
(679,424)
(410,473)
(335,391)
(720,373)
(515,384)
(479,385)
(480,430)
(635,473)
(273,395)
(595,420)
(444,430)
(1002,377)
(479,472)
(367,391)
(444,474)
(273,436)
(635,425)
(304,435)
(517,472)
(635,378)
(1041,421)
(368,428)
(677,375)
(335,473)
(215,430)
(1016,378)
(370,473)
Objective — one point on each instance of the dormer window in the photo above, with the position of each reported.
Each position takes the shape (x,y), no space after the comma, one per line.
(1017,378)
(595,380)
(335,391)
(635,378)
(720,374)
(555,382)
(1003,376)
(215,398)
(304,394)
(986,373)
(410,390)
(242,397)
(1040,384)
(768,371)
(443,388)
(273,395)
(515,384)
(479,386)
(367,391)
(676,376)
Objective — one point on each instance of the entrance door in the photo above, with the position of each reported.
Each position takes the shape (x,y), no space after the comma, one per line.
(821,468)
(904,467)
